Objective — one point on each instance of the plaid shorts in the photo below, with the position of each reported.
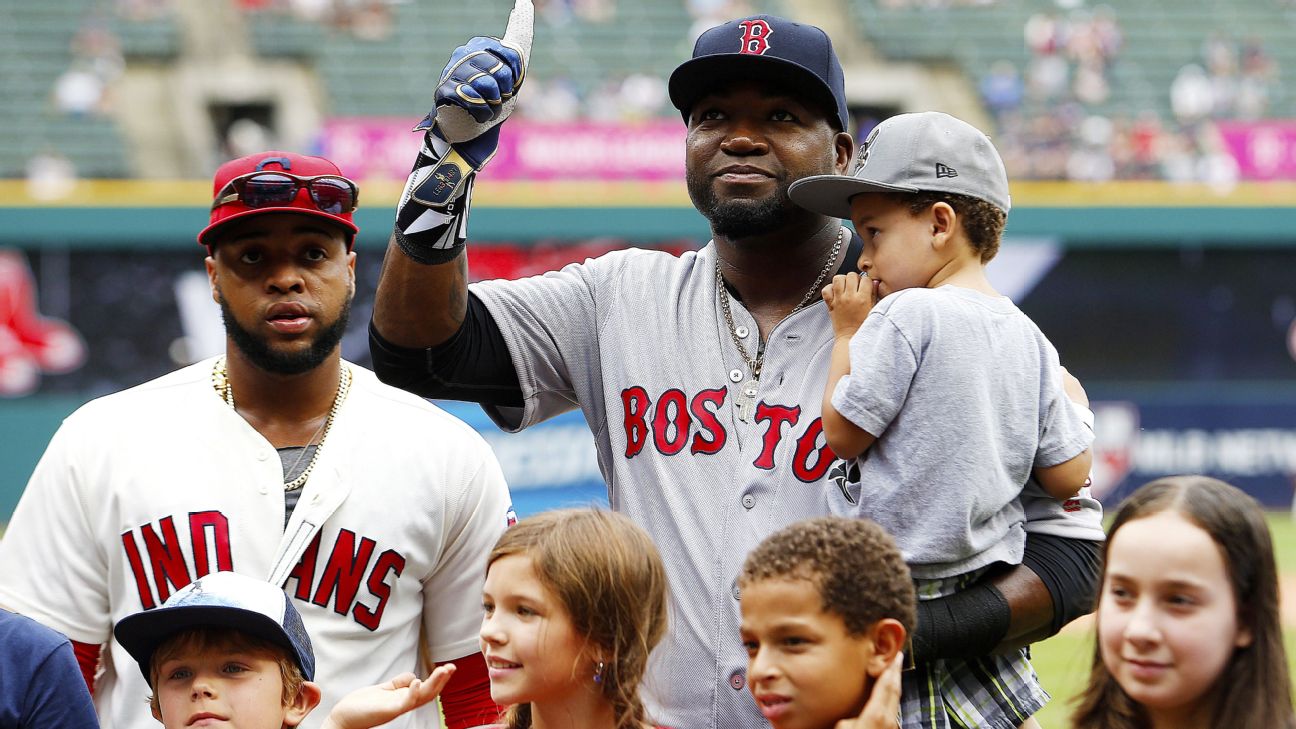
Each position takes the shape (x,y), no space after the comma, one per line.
(997,692)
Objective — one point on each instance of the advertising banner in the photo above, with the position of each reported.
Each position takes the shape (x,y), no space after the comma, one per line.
(382,148)
(1264,150)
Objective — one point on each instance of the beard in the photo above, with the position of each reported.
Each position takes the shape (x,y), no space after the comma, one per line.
(740,217)
(258,351)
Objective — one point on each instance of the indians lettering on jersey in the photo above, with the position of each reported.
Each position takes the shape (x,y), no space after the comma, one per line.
(675,421)
(755,37)
(352,561)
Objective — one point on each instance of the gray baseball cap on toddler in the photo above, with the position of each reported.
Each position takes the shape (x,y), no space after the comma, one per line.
(927,151)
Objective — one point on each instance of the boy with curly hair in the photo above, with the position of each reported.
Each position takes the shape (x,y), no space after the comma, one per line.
(827,605)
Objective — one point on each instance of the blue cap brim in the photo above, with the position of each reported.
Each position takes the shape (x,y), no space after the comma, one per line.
(700,76)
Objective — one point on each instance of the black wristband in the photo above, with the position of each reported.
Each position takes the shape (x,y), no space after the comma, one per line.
(1069,568)
(421,252)
(967,624)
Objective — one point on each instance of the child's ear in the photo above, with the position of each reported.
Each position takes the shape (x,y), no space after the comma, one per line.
(307,698)
(943,219)
(888,636)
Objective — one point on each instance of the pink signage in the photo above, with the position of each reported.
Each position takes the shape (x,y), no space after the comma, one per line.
(382,147)
(1264,150)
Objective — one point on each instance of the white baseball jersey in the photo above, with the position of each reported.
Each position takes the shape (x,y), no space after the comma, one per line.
(637,340)
(143,491)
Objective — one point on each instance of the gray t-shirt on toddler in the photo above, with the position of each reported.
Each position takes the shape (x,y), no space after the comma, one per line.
(965,394)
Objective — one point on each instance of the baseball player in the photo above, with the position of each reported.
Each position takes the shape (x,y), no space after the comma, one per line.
(701,376)
(372,508)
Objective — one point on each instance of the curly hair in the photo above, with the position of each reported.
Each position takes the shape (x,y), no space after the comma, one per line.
(607,573)
(854,563)
(982,220)
(1252,691)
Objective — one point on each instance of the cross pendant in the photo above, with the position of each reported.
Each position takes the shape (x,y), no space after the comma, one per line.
(746,400)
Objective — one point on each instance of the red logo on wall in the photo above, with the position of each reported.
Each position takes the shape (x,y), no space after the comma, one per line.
(755,38)
(30,344)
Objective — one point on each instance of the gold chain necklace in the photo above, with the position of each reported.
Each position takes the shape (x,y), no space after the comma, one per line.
(220,381)
(747,399)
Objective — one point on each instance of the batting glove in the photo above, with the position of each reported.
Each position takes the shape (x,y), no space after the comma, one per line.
(480,76)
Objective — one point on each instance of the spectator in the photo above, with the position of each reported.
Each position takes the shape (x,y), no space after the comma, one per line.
(1192,95)
(1001,88)
(78,92)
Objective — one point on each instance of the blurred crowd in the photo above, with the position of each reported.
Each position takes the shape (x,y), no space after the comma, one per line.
(1057,119)
(364,19)
(1059,115)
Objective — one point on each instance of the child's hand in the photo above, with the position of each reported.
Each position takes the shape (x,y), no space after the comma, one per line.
(376,705)
(850,298)
(882,709)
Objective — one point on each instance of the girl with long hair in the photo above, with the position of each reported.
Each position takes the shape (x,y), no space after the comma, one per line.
(574,602)
(1187,619)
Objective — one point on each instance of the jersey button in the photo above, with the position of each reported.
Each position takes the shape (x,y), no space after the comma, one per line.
(735,375)
(748,501)
(742,332)
(736,591)
(263,454)
(737,681)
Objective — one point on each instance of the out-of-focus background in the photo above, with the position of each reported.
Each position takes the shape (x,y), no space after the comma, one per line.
(1151,147)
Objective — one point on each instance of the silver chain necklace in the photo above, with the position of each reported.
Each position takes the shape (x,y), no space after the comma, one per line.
(747,400)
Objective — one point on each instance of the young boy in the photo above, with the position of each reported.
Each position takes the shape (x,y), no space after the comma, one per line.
(827,604)
(226,650)
(944,393)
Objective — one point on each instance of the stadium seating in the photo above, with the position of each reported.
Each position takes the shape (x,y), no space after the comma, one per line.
(36,40)
(1159,39)
(391,74)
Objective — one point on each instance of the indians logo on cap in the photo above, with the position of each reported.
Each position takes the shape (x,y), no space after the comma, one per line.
(755,37)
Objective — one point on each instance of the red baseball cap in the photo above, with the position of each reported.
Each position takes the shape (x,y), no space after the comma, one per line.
(299,165)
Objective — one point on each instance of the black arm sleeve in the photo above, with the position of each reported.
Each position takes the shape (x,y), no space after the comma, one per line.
(967,624)
(1069,569)
(972,622)
(473,365)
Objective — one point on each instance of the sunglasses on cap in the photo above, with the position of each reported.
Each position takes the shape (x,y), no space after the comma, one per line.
(332,194)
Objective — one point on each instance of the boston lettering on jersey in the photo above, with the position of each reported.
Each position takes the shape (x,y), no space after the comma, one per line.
(677,420)
(335,583)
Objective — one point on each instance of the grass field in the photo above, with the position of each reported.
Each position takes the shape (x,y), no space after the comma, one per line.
(1063,661)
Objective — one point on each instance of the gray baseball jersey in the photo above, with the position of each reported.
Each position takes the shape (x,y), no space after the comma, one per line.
(636,339)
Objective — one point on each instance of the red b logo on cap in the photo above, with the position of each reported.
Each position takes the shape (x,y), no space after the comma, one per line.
(755,38)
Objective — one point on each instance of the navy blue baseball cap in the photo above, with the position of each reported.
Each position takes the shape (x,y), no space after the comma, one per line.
(220,600)
(766,48)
